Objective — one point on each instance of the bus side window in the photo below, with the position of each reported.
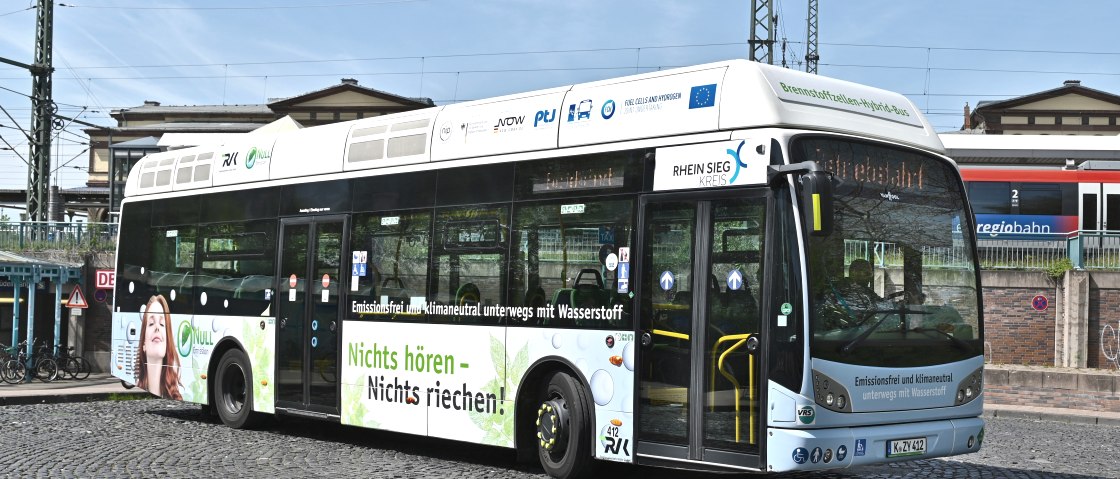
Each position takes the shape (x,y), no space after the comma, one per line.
(558,273)
(132,257)
(171,273)
(468,264)
(394,246)
(236,262)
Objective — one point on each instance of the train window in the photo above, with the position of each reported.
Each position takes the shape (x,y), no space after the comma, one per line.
(1040,199)
(992,198)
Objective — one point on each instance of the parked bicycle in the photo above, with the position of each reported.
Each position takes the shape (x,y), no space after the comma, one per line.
(17,368)
(74,367)
(6,353)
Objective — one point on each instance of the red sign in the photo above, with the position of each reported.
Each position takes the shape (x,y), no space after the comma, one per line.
(104,279)
(77,299)
(1039,303)
(292,281)
(326,280)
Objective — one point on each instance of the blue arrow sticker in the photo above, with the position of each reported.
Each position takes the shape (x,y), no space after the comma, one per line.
(734,280)
(666,280)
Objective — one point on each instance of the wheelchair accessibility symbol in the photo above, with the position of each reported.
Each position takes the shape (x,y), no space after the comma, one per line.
(800,455)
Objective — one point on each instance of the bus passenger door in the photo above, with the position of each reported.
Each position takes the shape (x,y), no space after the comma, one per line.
(698,377)
(310,273)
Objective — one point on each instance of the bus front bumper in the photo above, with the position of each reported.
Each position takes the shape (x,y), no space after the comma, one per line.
(808,449)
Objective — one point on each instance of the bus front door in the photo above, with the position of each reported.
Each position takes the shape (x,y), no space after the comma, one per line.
(311,276)
(698,383)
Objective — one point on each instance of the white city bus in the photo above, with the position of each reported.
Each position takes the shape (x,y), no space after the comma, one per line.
(730,267)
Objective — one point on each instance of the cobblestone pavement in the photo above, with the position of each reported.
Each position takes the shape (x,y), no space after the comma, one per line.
(155,438)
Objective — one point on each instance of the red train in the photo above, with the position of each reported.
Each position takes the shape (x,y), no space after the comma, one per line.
(1010,200)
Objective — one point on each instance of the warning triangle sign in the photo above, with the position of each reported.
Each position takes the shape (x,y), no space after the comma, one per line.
(77,299)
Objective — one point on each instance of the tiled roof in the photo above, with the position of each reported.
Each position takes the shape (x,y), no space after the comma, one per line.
(223,127)
(195,109)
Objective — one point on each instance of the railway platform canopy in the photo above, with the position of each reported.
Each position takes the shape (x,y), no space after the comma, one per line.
(26,272)
(1029,150)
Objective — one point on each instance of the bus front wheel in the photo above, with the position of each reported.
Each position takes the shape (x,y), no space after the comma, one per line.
(233,394)
(564,428)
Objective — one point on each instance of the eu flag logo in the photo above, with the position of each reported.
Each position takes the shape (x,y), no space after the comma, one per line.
(702,96)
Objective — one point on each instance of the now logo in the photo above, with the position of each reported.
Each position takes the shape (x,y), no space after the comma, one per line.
(510,121)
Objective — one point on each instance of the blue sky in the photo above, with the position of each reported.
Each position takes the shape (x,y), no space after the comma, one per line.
(110,54)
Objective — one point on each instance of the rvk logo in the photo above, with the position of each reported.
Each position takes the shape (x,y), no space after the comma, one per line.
(611,440)
(806,414)
(229,159)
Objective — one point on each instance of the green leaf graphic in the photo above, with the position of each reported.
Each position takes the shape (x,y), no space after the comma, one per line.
(498,429)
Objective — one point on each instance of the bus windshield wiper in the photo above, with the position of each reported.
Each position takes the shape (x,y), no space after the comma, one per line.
(847,348)
(956,341)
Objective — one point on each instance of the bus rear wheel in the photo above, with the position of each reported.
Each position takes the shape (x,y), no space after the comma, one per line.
(564,428)
(233,393)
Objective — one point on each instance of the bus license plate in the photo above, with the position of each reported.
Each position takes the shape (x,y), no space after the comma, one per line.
(906,447)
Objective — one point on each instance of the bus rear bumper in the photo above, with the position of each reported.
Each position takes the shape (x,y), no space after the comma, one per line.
(807,449)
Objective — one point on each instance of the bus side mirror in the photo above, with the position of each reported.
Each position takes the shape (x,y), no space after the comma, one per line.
(816,201)
(816,194)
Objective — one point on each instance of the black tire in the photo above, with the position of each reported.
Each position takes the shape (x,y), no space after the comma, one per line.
(69,368)
(46,370)
(233,391)
(126,384)
(13,372)
(84,368)
(564,428)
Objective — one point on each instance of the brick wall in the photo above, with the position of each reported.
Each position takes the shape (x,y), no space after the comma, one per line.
(1104,328)
(1014,332)
(1087,389)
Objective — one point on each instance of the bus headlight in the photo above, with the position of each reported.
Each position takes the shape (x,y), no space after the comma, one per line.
(830,394)
(970,387)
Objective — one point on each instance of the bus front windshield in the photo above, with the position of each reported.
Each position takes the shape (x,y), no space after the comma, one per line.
(894,284)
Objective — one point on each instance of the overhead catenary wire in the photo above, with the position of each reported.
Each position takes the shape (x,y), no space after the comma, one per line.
(228,7)
(84,83)
(14,150)
(32,7)
(579,50)
(556,69)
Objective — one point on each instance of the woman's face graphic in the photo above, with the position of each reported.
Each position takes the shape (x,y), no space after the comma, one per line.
(155,332)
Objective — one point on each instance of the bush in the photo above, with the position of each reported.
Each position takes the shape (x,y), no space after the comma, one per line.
(1058,268)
